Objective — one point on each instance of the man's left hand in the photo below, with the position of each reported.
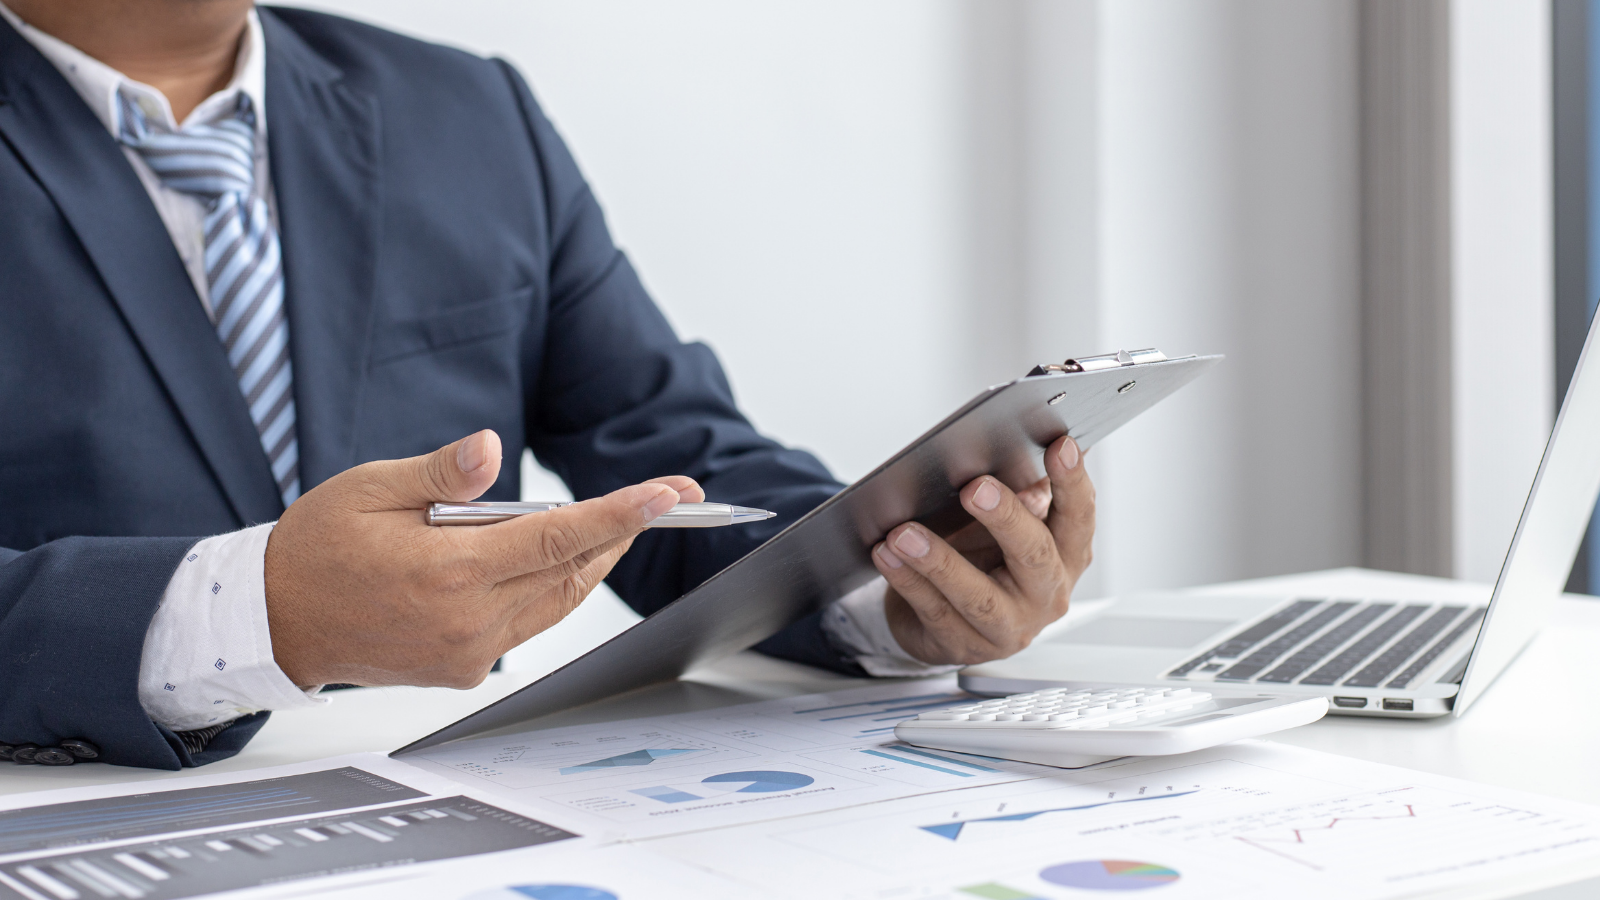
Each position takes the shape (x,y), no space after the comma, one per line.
(987,592)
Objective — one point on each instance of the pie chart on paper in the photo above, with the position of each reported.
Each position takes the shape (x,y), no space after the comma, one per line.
(758,782)
(543,892)
(1110,875)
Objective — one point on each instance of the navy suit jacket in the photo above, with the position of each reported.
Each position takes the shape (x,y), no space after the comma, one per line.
(447,269)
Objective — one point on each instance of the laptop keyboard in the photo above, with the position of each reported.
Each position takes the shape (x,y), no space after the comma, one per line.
(1246,668)
(1318,650)
(1251,636)
(1391,659)
(1411,672)
(1340,665)
(1337,642)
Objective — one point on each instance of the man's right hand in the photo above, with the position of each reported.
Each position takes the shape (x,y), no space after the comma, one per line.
(361,590)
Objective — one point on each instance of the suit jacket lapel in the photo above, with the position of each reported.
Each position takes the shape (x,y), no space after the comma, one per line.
(323,141)
(82,167)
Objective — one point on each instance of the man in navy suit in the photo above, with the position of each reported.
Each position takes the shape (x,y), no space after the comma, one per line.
(260,271)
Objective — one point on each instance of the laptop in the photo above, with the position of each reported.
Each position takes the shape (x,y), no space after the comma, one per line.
(1422,652)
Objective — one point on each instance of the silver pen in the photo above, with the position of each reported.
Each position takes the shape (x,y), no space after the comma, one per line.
(684,515)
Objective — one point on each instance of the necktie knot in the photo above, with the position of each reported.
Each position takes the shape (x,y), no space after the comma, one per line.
(211,160)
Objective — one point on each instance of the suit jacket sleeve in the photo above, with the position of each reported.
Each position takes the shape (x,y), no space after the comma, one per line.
(615,398)
(73,616)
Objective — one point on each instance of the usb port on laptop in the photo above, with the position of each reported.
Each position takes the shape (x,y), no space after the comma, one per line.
(1350,702)
(1397,704)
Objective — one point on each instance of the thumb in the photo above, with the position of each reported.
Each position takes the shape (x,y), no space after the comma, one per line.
(455,472)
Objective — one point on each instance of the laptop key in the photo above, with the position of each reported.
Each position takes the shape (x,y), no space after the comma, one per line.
(1247,668)
(1376,671)
(1317,650)
(1255,634)
(1334,669)
(1404,679)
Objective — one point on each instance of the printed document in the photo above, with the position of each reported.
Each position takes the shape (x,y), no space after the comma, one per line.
(801,797)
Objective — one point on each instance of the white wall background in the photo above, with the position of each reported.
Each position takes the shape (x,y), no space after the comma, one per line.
(872,209)
(1228,223)
(1504,337)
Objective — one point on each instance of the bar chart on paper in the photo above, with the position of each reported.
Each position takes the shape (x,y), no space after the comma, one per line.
(168,868)
(137,815)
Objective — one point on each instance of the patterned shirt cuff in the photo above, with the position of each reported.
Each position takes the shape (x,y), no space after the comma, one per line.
(208,653)
(858,625)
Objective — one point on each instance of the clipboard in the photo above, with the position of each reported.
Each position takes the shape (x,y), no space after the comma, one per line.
(1003,431)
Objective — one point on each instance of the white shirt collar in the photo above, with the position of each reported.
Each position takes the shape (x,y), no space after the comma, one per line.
(98,83)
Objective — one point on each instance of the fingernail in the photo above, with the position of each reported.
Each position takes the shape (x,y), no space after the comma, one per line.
(473,454)
(987,496)
(912,543)
(1069,454)
(659,504)
(889,559)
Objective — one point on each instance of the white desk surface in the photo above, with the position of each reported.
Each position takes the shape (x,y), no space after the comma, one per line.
(1536,730)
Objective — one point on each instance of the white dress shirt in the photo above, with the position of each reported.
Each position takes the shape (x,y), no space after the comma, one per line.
(208,653)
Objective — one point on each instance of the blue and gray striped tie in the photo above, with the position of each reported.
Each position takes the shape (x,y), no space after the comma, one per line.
(216,162)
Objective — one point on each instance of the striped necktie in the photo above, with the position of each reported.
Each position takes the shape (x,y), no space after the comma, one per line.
(244,269)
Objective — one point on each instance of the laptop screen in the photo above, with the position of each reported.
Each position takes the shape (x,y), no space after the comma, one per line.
(1547,538)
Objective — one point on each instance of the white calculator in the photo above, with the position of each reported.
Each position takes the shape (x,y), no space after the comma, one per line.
(1086,724)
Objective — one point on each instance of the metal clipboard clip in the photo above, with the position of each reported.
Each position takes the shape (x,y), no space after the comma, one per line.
(1103,361)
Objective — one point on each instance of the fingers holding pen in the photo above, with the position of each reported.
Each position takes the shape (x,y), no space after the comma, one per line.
(574,534)
(541,599)
(689,490)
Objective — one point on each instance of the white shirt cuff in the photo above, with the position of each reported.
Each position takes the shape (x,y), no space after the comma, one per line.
(208,654)
(858,624)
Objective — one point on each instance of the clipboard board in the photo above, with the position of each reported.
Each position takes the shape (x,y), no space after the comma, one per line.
(1003,431)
